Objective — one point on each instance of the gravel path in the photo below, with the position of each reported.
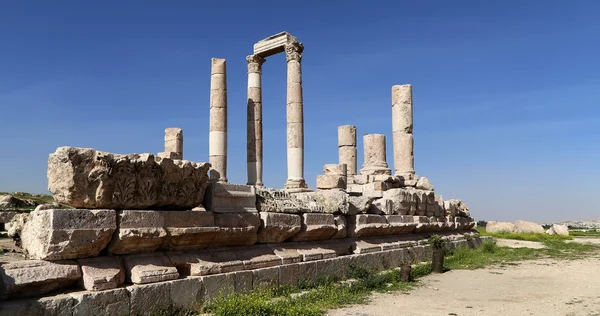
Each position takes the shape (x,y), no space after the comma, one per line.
(541,287)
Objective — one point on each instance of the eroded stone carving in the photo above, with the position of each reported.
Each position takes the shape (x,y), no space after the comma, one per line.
(270,200)
(88,178)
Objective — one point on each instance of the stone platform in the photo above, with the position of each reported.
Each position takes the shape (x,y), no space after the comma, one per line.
(187,279)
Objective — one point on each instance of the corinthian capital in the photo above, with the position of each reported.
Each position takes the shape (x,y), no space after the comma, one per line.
(293,51)
(255,59)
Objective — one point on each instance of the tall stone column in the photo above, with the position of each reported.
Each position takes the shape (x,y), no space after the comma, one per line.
(173,144)
(375,159)
(402,127)
(295,118)
(254,132)
(218,121)
(347,147)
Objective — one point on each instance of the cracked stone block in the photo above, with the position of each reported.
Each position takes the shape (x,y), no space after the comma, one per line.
(36,277)
(101,273)
(189,230)
(108,302)
(138,231)
(60,234)
(316,227)
(367,225)
(236,229)
(149,268)
(278,227)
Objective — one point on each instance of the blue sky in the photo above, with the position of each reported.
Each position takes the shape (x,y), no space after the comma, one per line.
(506,93)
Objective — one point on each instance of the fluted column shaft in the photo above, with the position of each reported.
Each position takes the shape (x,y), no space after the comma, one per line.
(218,121)
(254,122)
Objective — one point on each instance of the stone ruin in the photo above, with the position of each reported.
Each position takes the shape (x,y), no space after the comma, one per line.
(148,232)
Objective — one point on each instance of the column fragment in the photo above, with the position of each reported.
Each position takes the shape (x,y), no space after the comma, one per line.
(347,147)
(374,155)
(218,121)
(173,144)
(254,132)
(402,128)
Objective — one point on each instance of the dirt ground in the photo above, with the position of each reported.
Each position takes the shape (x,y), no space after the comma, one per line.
(541,287)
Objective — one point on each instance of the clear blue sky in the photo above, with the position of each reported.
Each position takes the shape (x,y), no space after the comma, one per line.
(506,93)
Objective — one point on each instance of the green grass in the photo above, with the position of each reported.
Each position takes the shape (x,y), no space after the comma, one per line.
(541,237)
(585,233)
(316,298)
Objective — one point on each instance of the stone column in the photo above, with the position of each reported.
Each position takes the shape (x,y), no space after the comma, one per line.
(402,127)
(295,118)
(347,147)
(374,151)
(173,144)
(254,132)
(218,121)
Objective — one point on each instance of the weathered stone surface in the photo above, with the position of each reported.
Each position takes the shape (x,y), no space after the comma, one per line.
(359,204)
(259,256)
(402,200)
(524,227)
(236,229)
(36,277)
(147,299)
(187,294)
(14,227)
(224,198)
(218,285)
(366,225)
(101,273)
(557,229)
(456,208)
(7,216)
(189,230)
(87,178)
(325,182)
(270,200)
(424,184)
(316,227)
(138,231)
(149,268)
(328,201)
(278,227)
(335,169)
(500,227)
(265,278)
(381,206)
(341,227)
(67,234)
(12,201)
(199,263)
(400,224)
(106,303)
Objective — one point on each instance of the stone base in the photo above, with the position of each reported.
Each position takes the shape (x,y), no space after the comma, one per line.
(296,186)
(310,265)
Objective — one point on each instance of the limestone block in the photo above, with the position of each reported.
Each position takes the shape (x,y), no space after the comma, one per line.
(457,208)
(359,204)
(138,231)
(113,302)
(187,294)
(365,246)
(87,178)
(401,224)
(354,189)
(236,229)
(278,227)
(243,281)
(149,268)
(287,254)
(325,182)
(259,256)
(67,234)
(524,227)
(266,278)
(189,230)
(199,263)
(101,273)
(423,224)
(271,200)
(366,225)
(273,44)
(401,200)
(316,227)
(381,206)
(557,229)
(424,184)
(36,277)
(361,179)
(146,299)
(312,251)
(341,227)
(225,197)
(6,216)
(335,169)
(218,285)
(450,209)
(328,201)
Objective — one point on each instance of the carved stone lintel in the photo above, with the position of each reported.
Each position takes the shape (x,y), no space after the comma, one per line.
(293,51)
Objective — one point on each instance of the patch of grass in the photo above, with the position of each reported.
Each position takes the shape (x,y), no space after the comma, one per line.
(315,298)
(490,254)
(585,233)
(540,237)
